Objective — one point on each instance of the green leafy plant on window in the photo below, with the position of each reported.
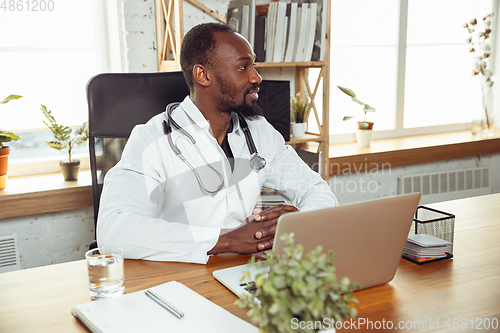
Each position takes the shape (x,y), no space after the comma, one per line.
(6,136)
(364,125)
(62,134)
(299,290)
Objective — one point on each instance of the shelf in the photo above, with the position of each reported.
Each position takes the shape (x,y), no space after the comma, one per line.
(308,137)
(290,64)
(38,194)
(169,39)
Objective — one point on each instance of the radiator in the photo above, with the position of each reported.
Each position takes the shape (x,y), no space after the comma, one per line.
(9,254)
(449,185)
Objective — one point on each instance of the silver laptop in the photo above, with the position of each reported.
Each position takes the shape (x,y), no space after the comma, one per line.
(367,237)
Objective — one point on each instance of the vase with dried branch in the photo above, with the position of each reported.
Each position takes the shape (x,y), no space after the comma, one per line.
(480,47)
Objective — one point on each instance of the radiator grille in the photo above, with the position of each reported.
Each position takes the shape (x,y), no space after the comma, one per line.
(448,185)
(9,254)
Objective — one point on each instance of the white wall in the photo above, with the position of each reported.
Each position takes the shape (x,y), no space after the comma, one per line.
(51,238)
(377,183)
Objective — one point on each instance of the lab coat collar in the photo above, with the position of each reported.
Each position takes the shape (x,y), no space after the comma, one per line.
(193,113)
(197,117)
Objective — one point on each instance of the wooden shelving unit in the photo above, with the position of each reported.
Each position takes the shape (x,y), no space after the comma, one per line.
(170,32)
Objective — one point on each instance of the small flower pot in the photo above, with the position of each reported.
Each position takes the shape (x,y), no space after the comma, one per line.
(70,169)
(298,129)
(364,137)
(364,134)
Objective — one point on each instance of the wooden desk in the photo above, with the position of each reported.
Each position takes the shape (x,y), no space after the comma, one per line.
(467,286)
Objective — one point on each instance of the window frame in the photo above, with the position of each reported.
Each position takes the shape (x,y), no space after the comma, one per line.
(110,57)
(401,47)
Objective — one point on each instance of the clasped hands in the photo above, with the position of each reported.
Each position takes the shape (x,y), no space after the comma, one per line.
(256,235)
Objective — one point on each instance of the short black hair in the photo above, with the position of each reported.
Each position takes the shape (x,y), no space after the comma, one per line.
(198,47)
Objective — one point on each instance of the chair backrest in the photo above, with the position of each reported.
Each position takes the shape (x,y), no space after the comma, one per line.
(118,102)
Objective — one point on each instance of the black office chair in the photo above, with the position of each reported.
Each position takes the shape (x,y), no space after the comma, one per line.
(118,102)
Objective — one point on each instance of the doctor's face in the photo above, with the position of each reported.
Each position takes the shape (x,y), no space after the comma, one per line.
(237,80)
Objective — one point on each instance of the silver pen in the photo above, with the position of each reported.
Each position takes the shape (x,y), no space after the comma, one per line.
(164,304)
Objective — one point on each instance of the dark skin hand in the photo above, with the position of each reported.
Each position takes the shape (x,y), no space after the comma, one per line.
(255,236)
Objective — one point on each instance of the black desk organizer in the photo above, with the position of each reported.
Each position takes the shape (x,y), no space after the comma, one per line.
(436,223)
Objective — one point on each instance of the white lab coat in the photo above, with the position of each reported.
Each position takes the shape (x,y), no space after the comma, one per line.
(153,207)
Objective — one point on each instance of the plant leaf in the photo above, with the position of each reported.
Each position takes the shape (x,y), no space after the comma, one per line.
(347,91)
(9,136)
(357,101)
(347,118)
(55,144)
(10,98)
(368,108)
(363,125)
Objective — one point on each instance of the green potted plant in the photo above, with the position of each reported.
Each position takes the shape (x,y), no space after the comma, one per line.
(299,110)
(298,292)
(65,141)
(365,128)
(6,136)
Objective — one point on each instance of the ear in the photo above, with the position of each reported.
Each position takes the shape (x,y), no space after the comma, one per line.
(201,75)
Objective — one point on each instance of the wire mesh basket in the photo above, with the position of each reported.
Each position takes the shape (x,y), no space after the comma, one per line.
(435,223)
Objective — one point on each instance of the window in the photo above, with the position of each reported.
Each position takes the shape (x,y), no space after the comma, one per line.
(407,58)
(48,55)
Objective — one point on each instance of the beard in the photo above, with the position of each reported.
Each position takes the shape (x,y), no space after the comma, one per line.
(228,104)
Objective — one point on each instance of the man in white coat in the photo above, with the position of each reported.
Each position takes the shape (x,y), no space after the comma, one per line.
(186,186)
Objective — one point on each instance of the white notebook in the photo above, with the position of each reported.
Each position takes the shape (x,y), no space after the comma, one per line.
(136,312)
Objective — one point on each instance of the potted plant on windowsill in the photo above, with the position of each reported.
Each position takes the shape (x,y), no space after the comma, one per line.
(299,109)
(297,291)
(365,128)
(6,136)
(65,141)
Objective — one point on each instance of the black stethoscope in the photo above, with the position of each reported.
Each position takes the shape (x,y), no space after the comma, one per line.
(257,162)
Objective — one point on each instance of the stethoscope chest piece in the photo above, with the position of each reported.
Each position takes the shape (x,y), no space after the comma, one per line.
(257,162)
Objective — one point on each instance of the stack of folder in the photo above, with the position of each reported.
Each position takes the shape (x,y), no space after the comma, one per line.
(423,247)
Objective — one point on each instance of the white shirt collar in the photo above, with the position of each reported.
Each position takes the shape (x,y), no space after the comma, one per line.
(196,117)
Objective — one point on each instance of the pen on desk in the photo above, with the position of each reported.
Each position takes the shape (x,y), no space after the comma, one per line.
(164,304)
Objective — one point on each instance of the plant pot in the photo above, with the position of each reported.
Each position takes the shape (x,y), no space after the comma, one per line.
(364,137)
(298,129)
(365,125)
(70,169)
(4,165)
(3,182)
(364,133)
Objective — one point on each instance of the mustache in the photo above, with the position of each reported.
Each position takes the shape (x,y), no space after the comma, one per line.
(255,86)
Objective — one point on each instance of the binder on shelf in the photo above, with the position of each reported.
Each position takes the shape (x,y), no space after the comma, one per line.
(292,32)
(302,31)
(260,38)
(235,20)
(247,9)
(271,30)
(311,32)
(280,35)
(136,312)
(318,53)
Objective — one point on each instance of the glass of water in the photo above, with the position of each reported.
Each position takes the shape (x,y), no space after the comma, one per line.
(105,266)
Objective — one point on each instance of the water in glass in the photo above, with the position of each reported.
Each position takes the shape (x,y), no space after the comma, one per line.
(106,278)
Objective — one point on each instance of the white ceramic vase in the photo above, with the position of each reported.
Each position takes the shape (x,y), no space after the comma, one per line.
(364,137)
(298,129)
